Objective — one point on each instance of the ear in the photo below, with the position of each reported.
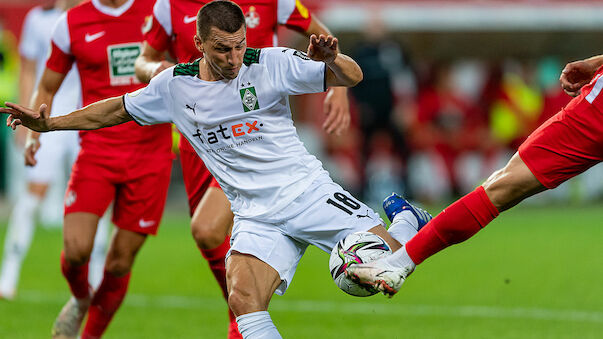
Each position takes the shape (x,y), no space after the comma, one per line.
(198,43)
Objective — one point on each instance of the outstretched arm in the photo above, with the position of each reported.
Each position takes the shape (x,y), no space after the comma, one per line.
(104,113)
(342,70)
(579,73)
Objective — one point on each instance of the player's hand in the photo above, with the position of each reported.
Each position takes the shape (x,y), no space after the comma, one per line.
(19,115)
(337,110)
(163,65)
(32,145)
(322,48)
(575,75)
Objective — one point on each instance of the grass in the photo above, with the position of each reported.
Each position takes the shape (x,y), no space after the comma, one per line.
(533,273)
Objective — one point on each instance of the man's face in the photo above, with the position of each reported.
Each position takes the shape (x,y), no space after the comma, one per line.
(224,51)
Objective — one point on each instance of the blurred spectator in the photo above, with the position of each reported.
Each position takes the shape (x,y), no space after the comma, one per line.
(448,135)
(383,148)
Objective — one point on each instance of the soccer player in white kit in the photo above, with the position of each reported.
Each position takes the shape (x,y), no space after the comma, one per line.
(233,107)
(48,163)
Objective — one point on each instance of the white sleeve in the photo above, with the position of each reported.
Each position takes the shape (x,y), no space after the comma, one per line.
(60,35)
(284,10)
(29,47)
(163,14)
(292,72)
(152,104)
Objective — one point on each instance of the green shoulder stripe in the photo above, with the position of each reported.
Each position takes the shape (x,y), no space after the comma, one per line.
(191,68)
(252,56)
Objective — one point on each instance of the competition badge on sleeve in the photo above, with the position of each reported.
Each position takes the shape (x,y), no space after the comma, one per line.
(121,63)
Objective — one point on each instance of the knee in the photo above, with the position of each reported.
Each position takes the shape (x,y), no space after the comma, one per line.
(119,263)
(207,235)
(242,301)
(77,252)
(505,188)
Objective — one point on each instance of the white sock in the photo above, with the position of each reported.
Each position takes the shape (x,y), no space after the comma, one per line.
(257,325)
(18,239)
(398,259)
(96,267)
(403,227)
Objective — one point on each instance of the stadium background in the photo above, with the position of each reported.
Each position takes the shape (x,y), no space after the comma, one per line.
(451,88)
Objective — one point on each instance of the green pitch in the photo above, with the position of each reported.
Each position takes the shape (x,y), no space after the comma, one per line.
(533,273)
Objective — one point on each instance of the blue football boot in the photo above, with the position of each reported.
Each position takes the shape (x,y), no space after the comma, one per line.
(395,204)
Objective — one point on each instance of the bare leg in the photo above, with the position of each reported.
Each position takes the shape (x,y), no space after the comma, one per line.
(251,284)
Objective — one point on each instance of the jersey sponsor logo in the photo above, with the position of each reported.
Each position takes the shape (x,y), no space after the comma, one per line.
(235,130)
(91,37)
(145,223)
(121,63)
(249,99)
(252,18)
(189,19)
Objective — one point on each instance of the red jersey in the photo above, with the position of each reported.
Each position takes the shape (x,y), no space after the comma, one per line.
(173,24)
(104,43)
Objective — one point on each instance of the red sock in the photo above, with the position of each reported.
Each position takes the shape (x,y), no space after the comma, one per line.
(77,277)
(105,303)
(457,223)
(216,259)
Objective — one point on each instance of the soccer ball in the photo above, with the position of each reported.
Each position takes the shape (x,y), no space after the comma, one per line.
(356,248)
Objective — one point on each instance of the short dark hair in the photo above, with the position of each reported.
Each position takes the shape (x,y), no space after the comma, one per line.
(225,15)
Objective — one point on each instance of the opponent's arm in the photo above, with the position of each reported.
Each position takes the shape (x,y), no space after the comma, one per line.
(27,80)
(579,73)
(336,105)
(149,63)
(49,84)
(342,70)
(104,113)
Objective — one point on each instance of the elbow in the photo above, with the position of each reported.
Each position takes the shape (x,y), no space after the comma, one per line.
(358,76)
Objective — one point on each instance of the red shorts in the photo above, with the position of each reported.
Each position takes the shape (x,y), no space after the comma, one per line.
(566,145)
(197,178)
(139,189)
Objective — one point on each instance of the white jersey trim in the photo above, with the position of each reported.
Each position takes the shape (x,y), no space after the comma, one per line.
(163,14)
(595,91)
(60,35)
(111,11)
(284,10)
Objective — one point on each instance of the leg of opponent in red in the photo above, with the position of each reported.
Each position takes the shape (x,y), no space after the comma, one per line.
(566,145)
(139,192)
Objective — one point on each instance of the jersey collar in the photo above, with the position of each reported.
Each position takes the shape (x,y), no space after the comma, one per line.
(115,12)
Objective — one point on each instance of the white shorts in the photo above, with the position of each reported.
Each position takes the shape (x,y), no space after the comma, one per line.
(321,216)
(58,150)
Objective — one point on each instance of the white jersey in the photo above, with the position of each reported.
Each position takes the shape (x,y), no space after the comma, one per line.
(241,128)
(35,45)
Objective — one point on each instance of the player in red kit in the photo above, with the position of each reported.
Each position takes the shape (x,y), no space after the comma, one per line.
(128,164)
(566,145)
(172,29)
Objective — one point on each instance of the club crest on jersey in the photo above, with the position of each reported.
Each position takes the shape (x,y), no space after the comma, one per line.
(121,63)
(249,99)
(252,18)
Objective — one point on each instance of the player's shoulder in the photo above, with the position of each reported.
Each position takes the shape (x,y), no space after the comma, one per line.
(186,69)
(273,54)
(34,13)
